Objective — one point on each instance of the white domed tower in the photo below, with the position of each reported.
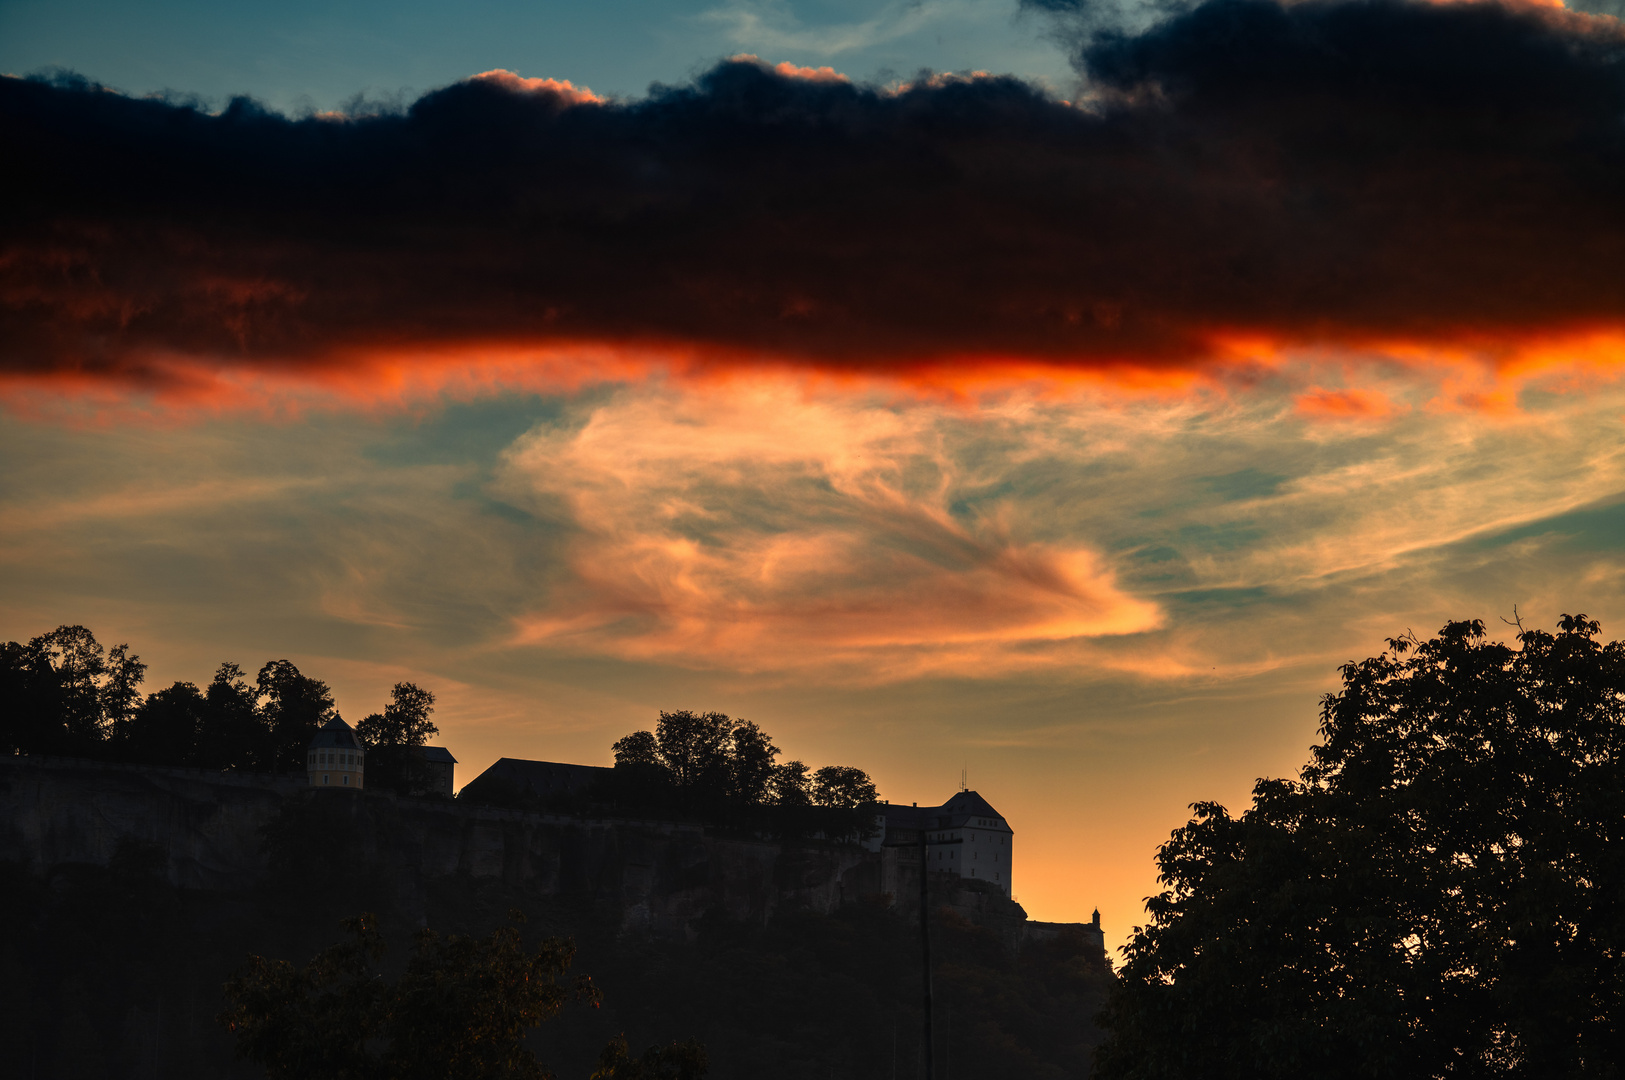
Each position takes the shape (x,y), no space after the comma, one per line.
(335,758)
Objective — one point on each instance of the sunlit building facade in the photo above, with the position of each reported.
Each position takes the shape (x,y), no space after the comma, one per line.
(964,837)
(335,758)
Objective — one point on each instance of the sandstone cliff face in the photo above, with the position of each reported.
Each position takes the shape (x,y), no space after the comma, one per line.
(220,832)
(208,825)
(138,891)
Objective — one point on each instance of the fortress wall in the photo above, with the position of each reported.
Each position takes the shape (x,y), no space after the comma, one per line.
(656,877)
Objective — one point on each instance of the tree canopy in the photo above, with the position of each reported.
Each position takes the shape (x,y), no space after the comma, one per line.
(65,693)
(460,1011)
(727,768)
(395,738)
(293,708)
(1441,893)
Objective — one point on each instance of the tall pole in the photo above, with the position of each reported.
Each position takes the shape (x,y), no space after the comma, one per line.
(925,953)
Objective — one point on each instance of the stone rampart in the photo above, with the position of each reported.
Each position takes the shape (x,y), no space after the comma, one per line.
(214,831)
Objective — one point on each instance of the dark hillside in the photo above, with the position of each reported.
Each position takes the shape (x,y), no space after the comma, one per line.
(131,895)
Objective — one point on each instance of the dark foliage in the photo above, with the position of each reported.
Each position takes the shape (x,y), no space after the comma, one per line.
(679,1061)
(1441,893)
(293,708)
(167,727)
(232,735)
(64,693)
(395,738)
(460,1011)
(726,770)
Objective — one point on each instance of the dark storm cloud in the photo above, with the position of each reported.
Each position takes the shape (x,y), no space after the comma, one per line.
(1315,171)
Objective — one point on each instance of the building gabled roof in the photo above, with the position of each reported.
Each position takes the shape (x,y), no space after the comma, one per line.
(962,809)
(335,733)
(539,778)
(438,754)
(966,805)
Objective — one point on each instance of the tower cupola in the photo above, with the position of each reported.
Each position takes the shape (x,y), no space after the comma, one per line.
(335,757)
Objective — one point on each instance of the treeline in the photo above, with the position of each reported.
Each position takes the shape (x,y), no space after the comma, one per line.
(65,693)
(720,769)
(728,770)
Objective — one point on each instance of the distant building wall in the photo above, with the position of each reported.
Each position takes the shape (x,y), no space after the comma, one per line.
(439,768)
(965,838)
(335,757)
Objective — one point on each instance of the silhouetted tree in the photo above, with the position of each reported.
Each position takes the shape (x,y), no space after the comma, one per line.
(1439,894)
(751,754)
(460,1011)
(293,708)
(694,746)
(706,761)
(638,748)
(791,785)
(231,735)
(640,779)
(689,759)
(727,770)
(29,722)
(843,787)
(395,738)
(63,693)
(166,727)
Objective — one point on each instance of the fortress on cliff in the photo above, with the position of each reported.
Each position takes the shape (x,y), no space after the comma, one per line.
(651,876)
(964,837)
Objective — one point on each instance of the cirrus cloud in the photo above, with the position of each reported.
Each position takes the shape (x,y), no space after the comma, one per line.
(760,527)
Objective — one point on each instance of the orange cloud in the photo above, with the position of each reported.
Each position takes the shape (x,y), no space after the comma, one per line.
(562,89)
(1345,404)
(788,70)
(764,528)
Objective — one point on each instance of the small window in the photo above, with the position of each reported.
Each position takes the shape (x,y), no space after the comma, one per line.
(324,778)
(346,779)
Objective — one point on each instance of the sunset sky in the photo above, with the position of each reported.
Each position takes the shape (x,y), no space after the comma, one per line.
(1059,393)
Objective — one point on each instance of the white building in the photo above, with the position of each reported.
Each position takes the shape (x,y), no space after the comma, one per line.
(964,836)
(334,757)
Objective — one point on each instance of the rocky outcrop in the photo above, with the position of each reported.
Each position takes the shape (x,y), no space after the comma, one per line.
(208,825)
